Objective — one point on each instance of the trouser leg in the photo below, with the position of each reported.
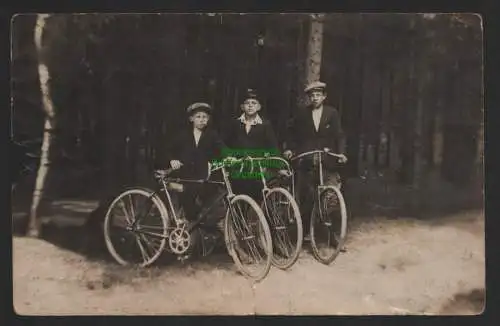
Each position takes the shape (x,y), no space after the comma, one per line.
(305,187)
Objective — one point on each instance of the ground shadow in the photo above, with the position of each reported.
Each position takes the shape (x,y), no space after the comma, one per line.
(471,302)
(82,233)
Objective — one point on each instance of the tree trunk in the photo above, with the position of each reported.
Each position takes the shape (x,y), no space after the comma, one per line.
(314,49)
(418,131)
(437,141)
(383,150)
(48,107)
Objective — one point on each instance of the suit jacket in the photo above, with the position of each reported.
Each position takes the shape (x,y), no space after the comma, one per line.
(194,158)
(260,137)
(302,135)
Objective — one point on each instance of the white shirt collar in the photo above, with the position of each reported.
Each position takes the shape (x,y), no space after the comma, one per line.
(197,135)
(316,115)
(256,121)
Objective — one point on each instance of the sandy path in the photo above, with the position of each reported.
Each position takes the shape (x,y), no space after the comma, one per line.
(391,267)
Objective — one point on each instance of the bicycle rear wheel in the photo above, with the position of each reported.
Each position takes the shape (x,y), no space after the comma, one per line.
(143,244)
(328,225)
(285,223)
(248,239)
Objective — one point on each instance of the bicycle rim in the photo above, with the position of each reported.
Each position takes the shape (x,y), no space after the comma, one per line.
(143,247)
(248,238)
(285,223)
(328,225)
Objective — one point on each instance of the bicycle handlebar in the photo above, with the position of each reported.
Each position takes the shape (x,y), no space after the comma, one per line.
(227,161)
(318,151)
(163,173)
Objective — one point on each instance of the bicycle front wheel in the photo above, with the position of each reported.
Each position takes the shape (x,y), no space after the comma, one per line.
(328,225)
(143,243)
(285,222)
(248,239)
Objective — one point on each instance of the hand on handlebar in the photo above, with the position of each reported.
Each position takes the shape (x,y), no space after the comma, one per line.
(175,164)
(230,159)
(287,154)
(342,158)
(161,172)
(284,173)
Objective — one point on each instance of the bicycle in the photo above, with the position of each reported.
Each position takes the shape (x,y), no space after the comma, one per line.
(282,212)
(247,238)
(329,209)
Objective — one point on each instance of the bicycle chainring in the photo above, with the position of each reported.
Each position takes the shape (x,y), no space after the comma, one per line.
(179,241)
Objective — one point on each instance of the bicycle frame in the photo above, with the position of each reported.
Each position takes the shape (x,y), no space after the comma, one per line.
(261,168)
(321,186)
(163,187)
(320,153)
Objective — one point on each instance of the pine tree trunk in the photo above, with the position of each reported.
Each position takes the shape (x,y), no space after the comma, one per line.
(437,141)
(314,48)
(34,226)
(301,63)
(418,131)
(383,150)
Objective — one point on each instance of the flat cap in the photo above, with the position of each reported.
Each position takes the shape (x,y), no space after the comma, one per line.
(250,93)
(199,106)
(315,86)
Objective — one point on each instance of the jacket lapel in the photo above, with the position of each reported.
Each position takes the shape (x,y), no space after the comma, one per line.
(201,141)
(308,118)
(325,116)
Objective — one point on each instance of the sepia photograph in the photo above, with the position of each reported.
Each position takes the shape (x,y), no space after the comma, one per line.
(247,164)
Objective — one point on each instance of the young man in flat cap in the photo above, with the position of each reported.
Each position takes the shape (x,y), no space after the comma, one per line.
(251,135)
(315,128)
(189,154)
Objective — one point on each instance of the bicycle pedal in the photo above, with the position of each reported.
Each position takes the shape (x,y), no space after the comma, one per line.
(183,258)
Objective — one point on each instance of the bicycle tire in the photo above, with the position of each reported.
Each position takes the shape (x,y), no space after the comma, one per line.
(164,220)
(265,238)
(291,259)
(315,216)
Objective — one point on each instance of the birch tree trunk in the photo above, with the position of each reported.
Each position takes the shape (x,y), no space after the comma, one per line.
(48,107)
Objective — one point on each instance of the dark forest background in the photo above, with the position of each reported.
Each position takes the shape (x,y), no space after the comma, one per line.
(408,88)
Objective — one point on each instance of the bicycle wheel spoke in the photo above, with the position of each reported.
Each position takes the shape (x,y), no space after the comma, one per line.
(255,251)
(132,206)
(150,242)
(251,244)
(125,212)
(151,227)
(144,254)
(252,249)
(154,245)
(242,219)
(328,226)
(139,245)
(279,233)
(286,233)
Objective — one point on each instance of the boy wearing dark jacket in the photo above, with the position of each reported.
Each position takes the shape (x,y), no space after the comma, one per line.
(252,135)
(315,128)
(190,153)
